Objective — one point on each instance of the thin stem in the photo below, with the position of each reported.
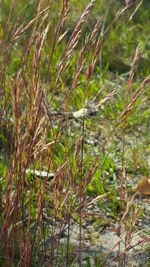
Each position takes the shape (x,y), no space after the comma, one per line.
(68,244)
(81,196)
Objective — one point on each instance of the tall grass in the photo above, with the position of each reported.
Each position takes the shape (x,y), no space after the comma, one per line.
(46,107)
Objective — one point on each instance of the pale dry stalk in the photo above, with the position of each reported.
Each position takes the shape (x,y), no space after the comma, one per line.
(73,41)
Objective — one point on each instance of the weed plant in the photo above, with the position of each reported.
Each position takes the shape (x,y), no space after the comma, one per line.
(74,94)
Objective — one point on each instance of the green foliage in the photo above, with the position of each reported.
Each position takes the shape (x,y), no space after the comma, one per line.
(100,180)
(95,260)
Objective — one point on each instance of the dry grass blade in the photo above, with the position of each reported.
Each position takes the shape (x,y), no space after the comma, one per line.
(95,200)
(135,11)
(21,29)
(76,33)
(64,12)
(61,22)
(89,42)
(134,98)
(141,241)
(100,40)
(65,59)
(131,75)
